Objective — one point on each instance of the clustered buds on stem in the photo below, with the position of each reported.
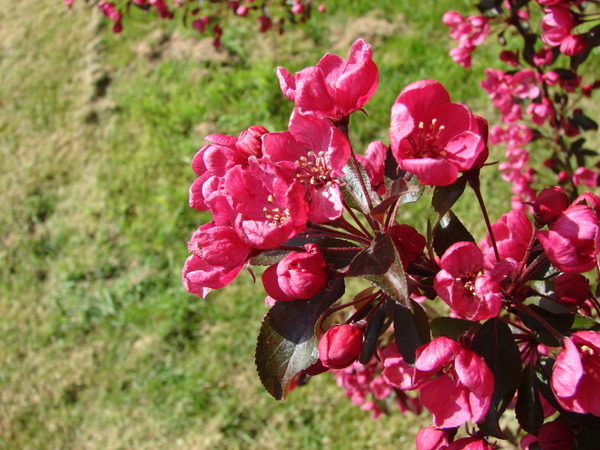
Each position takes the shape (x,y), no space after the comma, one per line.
(538,97)
(517,317)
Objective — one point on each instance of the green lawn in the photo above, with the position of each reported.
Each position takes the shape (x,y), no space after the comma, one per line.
(101,347)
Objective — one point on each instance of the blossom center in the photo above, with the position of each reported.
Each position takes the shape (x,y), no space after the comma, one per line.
(275,216)
(425,140)
(314,170)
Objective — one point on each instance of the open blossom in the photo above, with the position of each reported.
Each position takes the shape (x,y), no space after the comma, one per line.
(572,242)
(269,209)
(213,161)
(433,137)
(313,152)
(456,385)
(471,293)
(297,276)
(576,374)
(557,23)
(513,232)
(334,87)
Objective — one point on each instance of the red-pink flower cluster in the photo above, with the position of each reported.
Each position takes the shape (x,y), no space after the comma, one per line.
(516,324)
(469,32)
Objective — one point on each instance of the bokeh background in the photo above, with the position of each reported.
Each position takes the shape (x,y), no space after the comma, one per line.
(100,346)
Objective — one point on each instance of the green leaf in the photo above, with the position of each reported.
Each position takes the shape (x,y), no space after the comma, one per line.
(286,343)
(375,260)
(449,231)
(495,343)
(450,327)
(530,413)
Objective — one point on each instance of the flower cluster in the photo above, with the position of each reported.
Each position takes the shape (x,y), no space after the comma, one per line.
(212,17)
(537,97)
(447,324)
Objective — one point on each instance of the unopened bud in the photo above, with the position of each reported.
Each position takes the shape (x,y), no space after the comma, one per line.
(550,203)
(340,346)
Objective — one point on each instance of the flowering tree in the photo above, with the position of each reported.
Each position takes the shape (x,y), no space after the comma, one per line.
(461,328)
(213,16)
(546,43)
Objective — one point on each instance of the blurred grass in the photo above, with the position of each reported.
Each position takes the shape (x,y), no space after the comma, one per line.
(101,347)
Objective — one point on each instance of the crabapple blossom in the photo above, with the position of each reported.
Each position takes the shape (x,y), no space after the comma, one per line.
(585,177)
(432,438)
(334,87)
(433,137)
(572,242)
(455,383)
(313,152)
(269,209)
(513,232)
(576,374)
(571,289)
(550,203)
(408,241)
(297,276)
(471,293)
(340,346)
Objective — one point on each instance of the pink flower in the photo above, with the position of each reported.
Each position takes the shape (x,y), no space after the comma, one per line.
(572,242)
(571,289)
(555,436)
(434,138)
(459,385)
(297,276)
(470,443)
(461,55)
(557,24)
(585,177)
(471,293)
(550,203)
(334,87)
(265,23)
(576,374)
(269,209)
(573,44)
(543,57)
(432,438)
(541,111)
(213,161)
(218,255)
(340,346)
(314,153)
(513,233)
(408,241)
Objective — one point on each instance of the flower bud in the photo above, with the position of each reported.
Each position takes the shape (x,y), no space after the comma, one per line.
(297,276)
(555,436)
(550,203)
(340,346)
(572,289)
